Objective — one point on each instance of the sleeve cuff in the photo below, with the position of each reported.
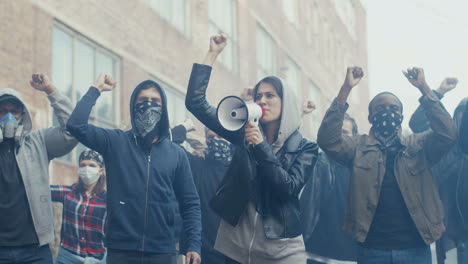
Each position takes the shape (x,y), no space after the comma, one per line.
(439,95)
(335,106)
(429,98)
(263,152)
(54,97)
(202,67)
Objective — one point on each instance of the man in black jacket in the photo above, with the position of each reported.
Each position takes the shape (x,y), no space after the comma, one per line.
(452,175)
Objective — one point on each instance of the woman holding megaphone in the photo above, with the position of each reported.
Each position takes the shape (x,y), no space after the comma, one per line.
(257,199)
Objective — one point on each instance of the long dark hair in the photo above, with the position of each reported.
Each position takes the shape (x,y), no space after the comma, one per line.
(273,81)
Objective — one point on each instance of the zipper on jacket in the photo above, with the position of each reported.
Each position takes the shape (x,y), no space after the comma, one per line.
(146,201)
(253,238)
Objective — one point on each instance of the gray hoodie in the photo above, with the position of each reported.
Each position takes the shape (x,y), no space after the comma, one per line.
(33,152)
(246,242)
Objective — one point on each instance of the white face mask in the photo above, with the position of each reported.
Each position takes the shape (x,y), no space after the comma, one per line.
(88,175)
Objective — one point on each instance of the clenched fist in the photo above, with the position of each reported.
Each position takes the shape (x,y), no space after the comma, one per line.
(416,77)
(353,77)
(42,83)
(105,82)
(218,42)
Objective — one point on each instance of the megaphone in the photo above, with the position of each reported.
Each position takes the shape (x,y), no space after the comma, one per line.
(233,113)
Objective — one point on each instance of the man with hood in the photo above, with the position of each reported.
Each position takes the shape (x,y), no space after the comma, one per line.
(27,222)
(452,175)
(208,171)
(148,178)
(323,204)
(394,208)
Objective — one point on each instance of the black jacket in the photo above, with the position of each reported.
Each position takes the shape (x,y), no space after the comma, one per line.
(272,182)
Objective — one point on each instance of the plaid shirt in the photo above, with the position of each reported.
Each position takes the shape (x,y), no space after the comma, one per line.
(83,220)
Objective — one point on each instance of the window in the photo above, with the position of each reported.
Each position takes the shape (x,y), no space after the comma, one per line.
(315,96)
(222,18)
(176,12)
(266,54)
(76,63)
(291,10)
(293,77)
(175,104)
(312,24)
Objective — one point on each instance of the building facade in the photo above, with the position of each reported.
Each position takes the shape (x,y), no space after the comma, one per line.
(308,43)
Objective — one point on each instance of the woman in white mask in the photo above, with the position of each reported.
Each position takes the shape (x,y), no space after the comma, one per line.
(84,213)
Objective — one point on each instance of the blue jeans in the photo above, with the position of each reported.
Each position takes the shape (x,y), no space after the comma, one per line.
(25,255)
(420,255)
(462,252)
(66,257)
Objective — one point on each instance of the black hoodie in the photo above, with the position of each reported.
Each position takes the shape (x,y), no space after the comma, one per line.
(145,185)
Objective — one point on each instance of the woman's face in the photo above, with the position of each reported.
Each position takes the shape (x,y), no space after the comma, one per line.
(92,163)
(267,97)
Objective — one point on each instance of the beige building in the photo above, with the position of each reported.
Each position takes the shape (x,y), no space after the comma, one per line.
(307,42)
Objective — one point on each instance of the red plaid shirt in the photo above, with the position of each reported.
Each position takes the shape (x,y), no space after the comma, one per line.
(83,220)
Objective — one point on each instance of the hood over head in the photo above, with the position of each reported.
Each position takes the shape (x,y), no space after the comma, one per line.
(290,119)
(164,122)
(8,94)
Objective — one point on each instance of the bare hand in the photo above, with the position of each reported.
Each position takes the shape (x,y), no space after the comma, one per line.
(353,77)
(247,94)
(308,107)
(42,83)
(217,43)
(252,133)
(189,126)
(416,77)
(447,85)
(105,82)
(192,258)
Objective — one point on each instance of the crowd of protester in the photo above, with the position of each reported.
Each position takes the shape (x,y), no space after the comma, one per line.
(262,194)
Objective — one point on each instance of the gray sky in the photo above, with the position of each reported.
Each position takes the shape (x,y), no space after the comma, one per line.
(432,34)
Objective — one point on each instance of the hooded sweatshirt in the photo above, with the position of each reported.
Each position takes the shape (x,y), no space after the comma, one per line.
(146,185)
(247,242)
(33,152)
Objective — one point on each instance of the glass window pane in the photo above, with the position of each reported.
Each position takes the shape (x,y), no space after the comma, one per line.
(178,9)
(292,77)
(105,64)
(62,61)
(83,68)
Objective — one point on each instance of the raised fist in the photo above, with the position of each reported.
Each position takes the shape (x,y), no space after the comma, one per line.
(308,107)
(189,126)
(42,83)
(416,77)
(447,85)
(105,82)
(353,77)
(218,42)
(247,94)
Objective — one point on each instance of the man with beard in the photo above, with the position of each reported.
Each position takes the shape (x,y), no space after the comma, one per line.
(148,178)
(394,208)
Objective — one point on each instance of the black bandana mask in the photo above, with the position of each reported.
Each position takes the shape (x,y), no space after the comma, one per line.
(147,116)
(219,150)
(386,122)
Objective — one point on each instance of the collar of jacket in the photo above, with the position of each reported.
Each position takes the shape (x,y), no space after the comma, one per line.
(293,143)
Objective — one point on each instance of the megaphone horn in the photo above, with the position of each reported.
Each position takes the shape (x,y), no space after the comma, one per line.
(233,113)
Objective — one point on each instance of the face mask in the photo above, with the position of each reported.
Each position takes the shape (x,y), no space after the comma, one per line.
(386,122)
(219,150)
(88,175)
(10,127)
(147,116)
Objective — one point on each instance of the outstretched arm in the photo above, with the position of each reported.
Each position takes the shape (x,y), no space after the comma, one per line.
(91,136)
(330,138)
